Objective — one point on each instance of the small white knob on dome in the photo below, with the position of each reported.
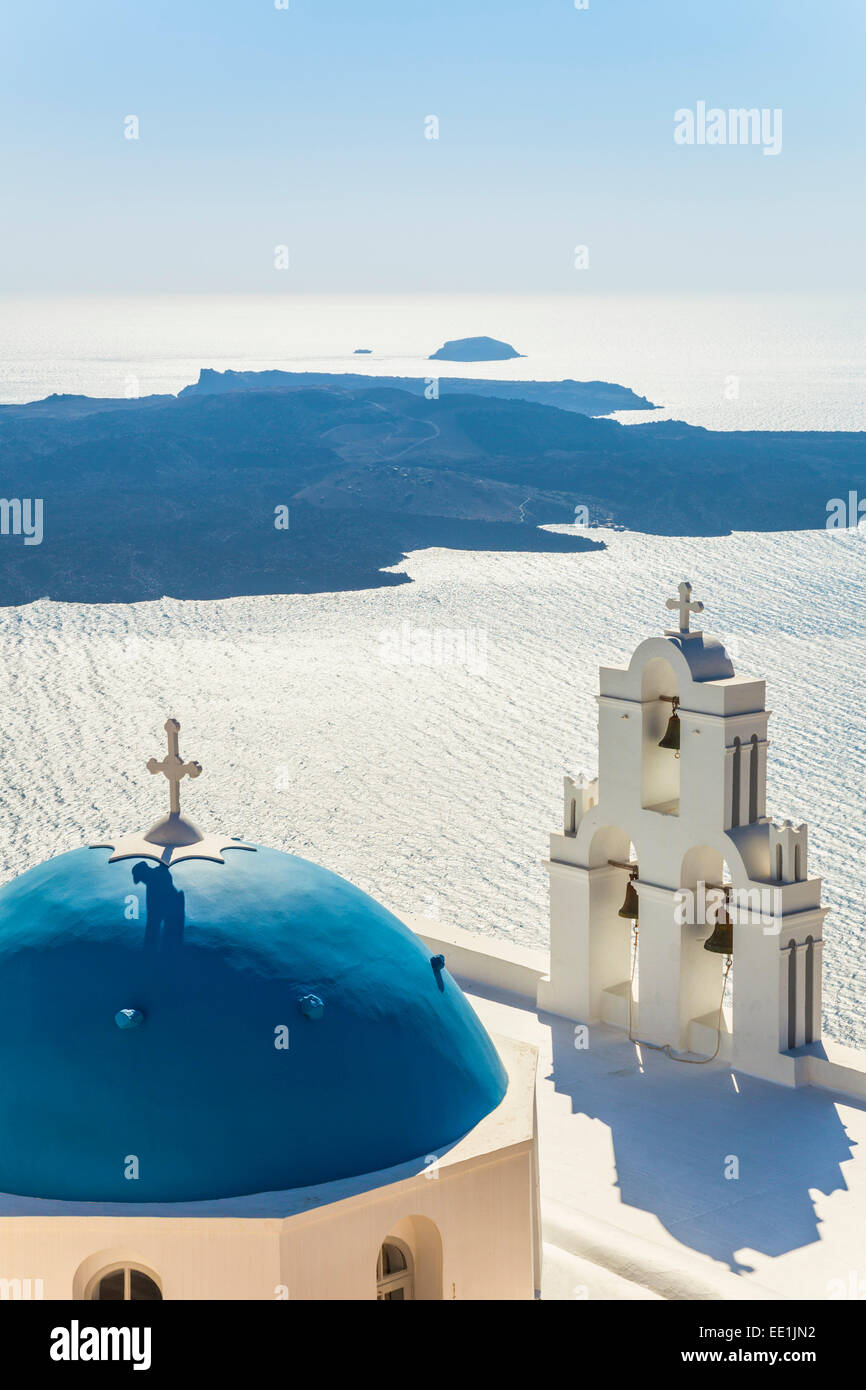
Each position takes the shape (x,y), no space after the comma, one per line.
(129,1018)
(312,1006)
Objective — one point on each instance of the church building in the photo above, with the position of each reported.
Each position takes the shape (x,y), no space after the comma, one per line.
(226,1073)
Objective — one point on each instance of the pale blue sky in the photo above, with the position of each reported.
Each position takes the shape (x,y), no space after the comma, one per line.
(306,127)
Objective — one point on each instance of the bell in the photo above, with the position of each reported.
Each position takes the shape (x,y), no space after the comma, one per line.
(721,943)
(629,903)
(672,734)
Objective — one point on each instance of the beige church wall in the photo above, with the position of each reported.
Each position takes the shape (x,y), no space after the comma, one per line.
(471,1234)
(470,1218)
(190,1257)
(470,1230)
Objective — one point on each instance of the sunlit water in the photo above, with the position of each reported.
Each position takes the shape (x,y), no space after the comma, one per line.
(324,730)
(723,361)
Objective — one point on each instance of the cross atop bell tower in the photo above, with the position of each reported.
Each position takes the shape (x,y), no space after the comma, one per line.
(686,606)
(173,767)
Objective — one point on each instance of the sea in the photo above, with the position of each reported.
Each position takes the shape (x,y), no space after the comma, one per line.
(727,362)
(414,738)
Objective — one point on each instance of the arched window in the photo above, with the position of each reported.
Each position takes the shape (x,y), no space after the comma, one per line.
(779,863)
(735,785)
(572,818)
(798,865)
(394,1273)
(124,1284)
(753,781)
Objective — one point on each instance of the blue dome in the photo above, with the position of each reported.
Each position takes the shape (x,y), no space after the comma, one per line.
(143,1012)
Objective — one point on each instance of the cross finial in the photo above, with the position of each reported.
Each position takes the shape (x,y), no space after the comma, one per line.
(685,604)
(172,766)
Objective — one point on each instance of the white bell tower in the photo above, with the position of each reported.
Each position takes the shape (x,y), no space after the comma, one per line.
(688,827)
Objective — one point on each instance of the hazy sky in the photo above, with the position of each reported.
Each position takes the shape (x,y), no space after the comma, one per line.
(305,127)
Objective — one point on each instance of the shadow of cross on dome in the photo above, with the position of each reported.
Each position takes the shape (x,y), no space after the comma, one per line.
(164,905)
(170,841)
(675,1128)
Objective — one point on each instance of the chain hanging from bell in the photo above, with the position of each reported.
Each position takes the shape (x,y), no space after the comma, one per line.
(721,943)
(671,737)
(629,907)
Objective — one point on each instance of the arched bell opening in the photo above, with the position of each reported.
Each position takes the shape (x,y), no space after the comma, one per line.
(613,870)
(723,945)
(608,842)
(660,738)
(629,911)
(706,917)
